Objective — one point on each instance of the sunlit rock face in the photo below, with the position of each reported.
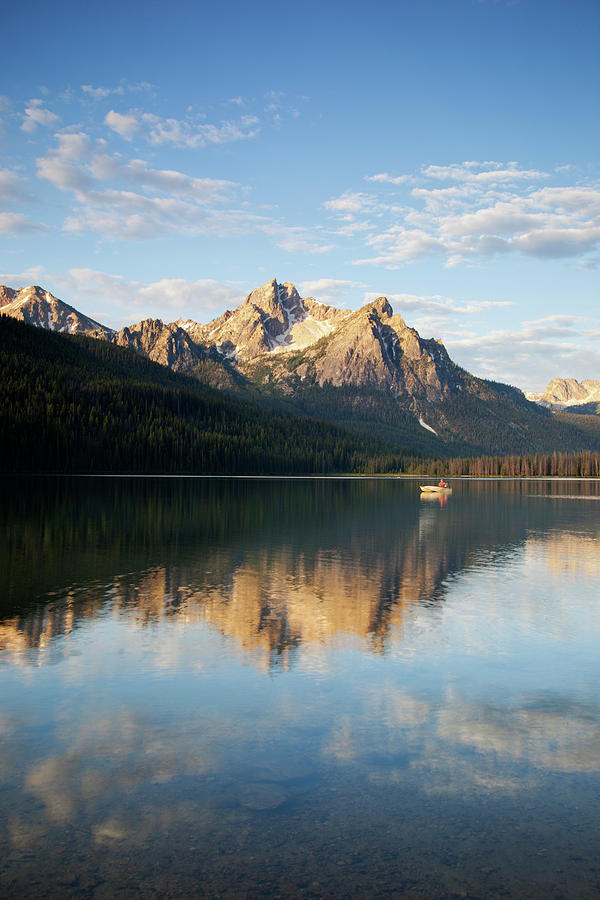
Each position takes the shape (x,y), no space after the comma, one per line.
(375,347)
(277,337)
(168,345)
(39,307)
(297,338)
(272,319)
(364,369)
(565,392)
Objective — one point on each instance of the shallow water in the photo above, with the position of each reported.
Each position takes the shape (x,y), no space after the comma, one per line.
(307,688)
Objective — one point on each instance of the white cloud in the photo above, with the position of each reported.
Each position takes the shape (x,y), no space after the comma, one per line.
(17,224)
(126,199)
(189,133)
(11,187)
(133,216)
(351,228)
(439,200)
(136,173)
(5,106)
(35,115)
(351,202)
(296,241)
(399,246)
(12,191)
(125,125)
(442,307)
(384,178)
(327,290)
(32,275)
(117,301)
(186,134)
(101,93)
(487,173)
(533,353)
(65,165)
(487,209)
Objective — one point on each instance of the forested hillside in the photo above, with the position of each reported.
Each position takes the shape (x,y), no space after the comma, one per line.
(74,404)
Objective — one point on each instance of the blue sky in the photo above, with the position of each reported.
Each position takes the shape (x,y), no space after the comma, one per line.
(165,158)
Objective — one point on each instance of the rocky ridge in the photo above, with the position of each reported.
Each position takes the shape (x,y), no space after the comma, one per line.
(272,319)
(561,393)
(39,307)
(364,370)
(168,345)
(276,336)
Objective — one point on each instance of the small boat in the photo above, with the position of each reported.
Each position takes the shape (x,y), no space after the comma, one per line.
(435,489)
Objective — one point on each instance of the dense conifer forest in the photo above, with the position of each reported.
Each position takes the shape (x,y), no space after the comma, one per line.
(584,464)
(72,404)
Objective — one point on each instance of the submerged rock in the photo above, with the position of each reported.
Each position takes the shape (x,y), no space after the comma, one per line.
(262,795)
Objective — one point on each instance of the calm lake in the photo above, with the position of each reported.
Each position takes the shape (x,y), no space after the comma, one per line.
(289,688)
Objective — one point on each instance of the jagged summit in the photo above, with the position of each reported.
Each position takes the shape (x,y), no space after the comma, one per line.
(272,319)
(169,345)
(370,346)
(294,337)
(39,307)
(364,369)
(564,392)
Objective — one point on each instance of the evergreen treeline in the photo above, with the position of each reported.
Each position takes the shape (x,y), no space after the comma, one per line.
(585,464)
(72,404)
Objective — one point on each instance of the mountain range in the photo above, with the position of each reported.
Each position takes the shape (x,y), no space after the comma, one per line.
(364,370)
(567,393)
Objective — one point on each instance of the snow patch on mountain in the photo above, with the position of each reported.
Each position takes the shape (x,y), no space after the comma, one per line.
(428,427)
(301,334)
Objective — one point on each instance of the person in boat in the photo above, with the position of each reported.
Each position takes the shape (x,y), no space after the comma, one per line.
(443,484)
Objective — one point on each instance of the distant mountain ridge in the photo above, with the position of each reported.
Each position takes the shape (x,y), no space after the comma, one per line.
(39,307)
(366,370)
(562,393)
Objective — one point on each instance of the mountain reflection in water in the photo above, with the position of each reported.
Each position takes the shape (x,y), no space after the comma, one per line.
(298,687)
(274,567)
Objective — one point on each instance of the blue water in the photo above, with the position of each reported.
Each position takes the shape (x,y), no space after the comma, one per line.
(299,688)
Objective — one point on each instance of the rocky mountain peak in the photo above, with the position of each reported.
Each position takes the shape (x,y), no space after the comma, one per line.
(374,347)
(280,302)
(39,307)
(276,334)
(565,392)
(169,344)
(272,319)
(380,307)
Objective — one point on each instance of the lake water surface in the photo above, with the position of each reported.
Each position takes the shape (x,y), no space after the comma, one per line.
(299,688)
